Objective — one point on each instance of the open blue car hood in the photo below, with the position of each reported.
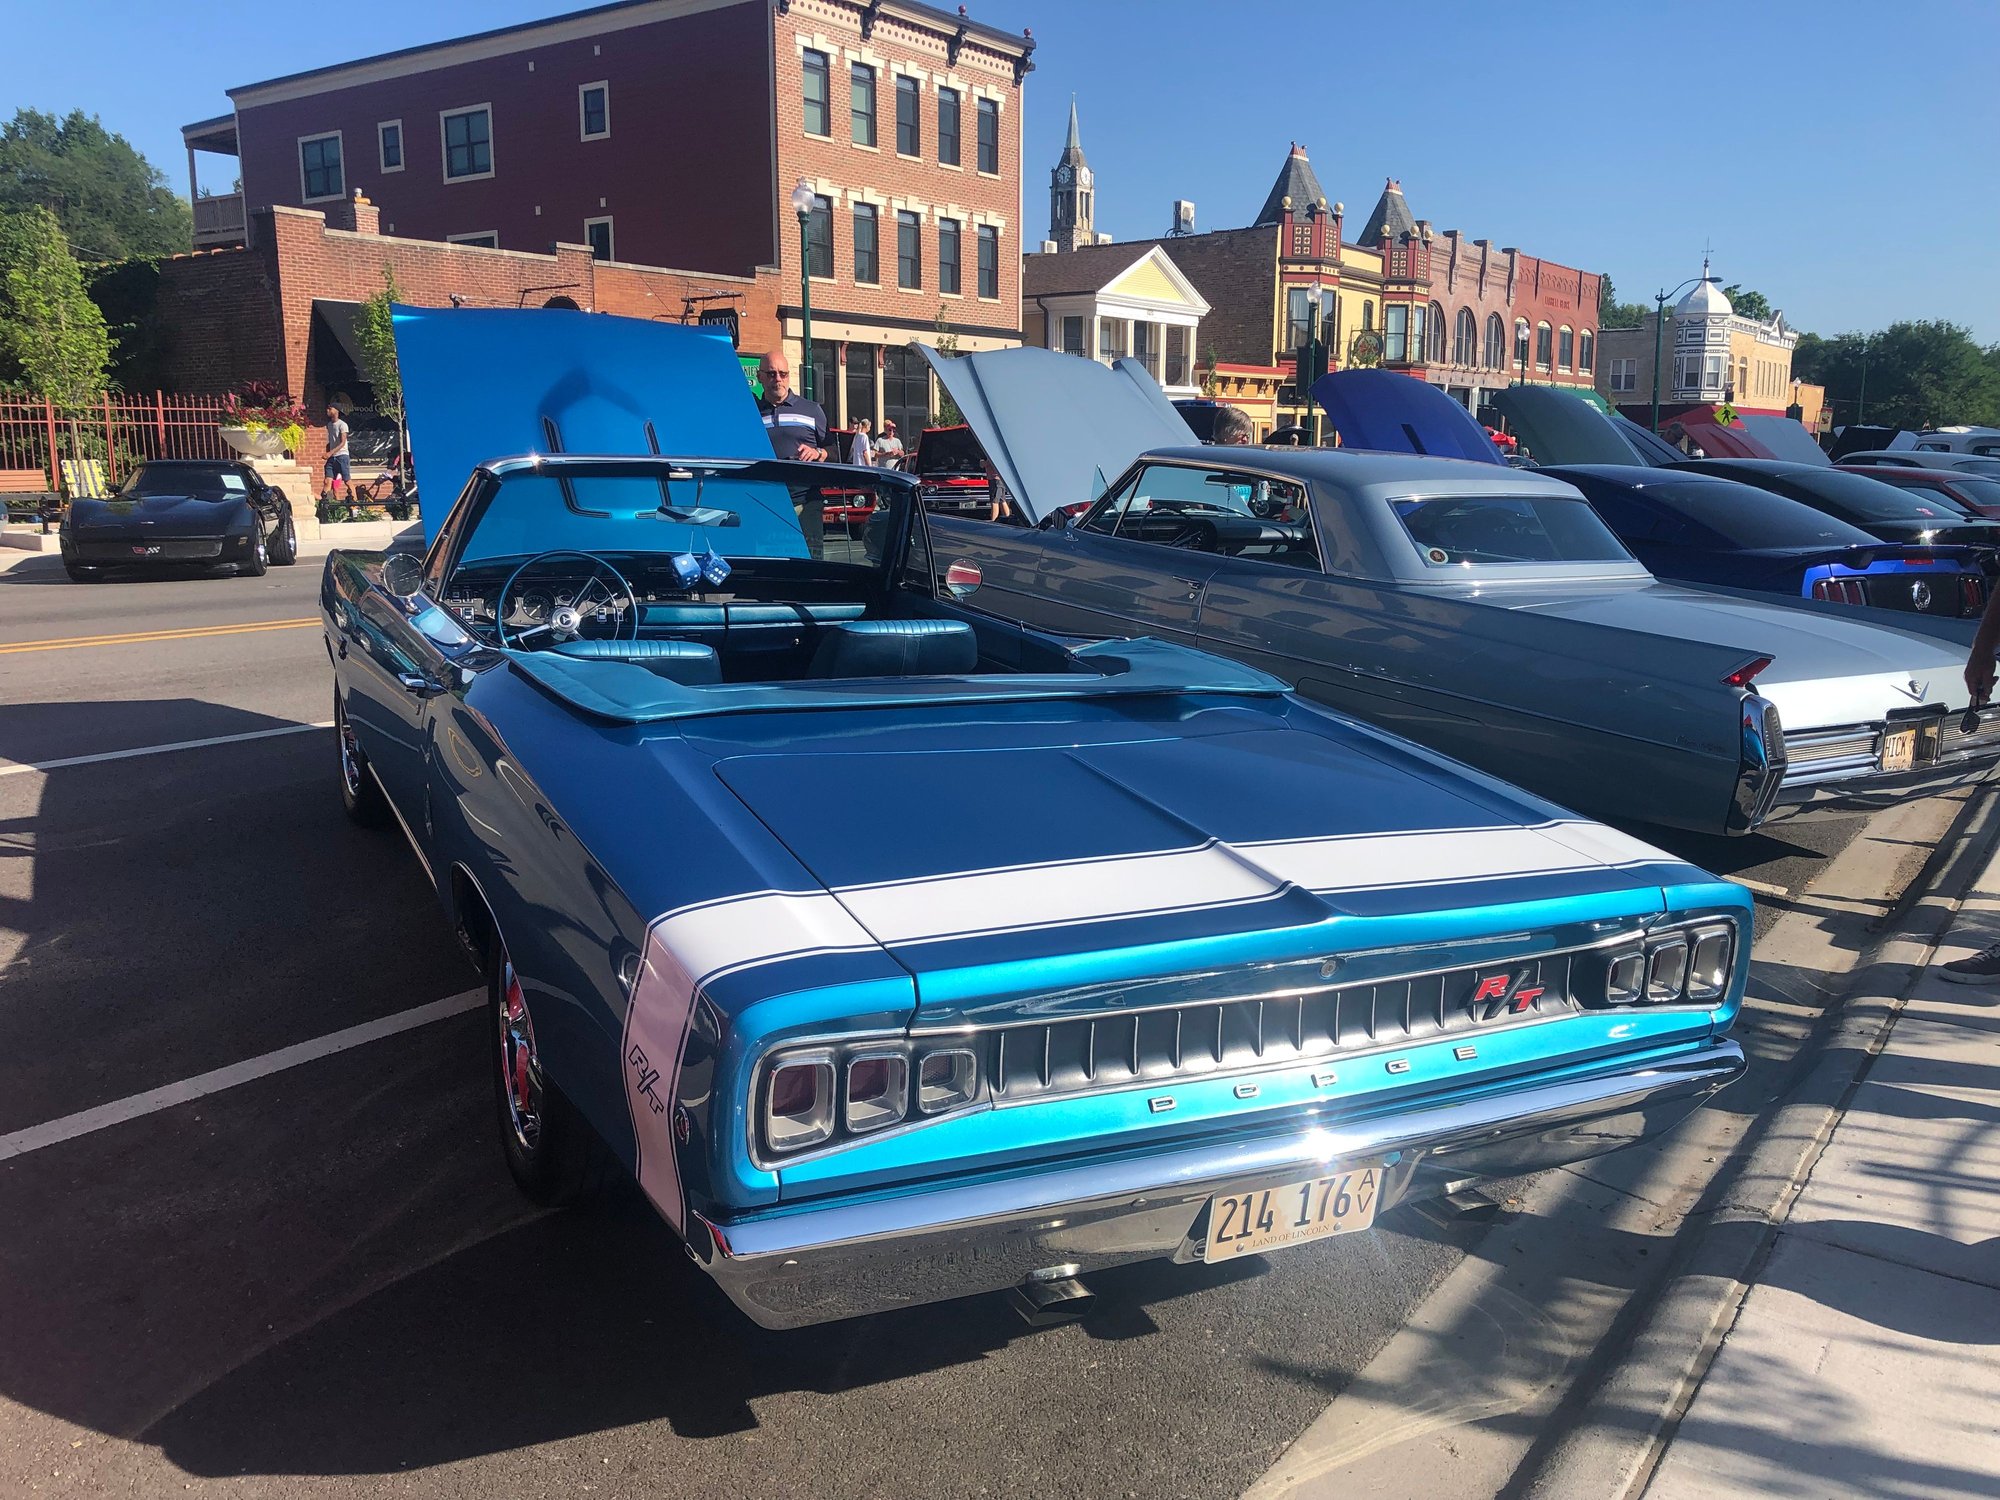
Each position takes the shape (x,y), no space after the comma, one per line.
(1393,413)
(486,383)
(1059,428)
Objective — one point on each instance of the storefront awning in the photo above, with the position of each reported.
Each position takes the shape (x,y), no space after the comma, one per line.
(338,319)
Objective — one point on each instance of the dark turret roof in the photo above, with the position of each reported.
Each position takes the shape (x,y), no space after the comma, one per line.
(1295,182)
(1391,213)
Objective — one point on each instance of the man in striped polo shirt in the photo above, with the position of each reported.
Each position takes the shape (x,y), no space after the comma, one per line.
(797,428)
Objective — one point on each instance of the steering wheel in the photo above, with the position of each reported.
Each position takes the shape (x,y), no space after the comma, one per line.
(565,622)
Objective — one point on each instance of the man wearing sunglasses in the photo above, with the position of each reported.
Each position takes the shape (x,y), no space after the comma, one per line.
(797,429)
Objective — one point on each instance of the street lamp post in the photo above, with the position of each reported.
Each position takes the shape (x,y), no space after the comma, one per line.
(1659,324)
(1521,352)
(802,205)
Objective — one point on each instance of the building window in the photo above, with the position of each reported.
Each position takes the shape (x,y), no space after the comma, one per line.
(1110,339)
(1177,355)
(861,103)
(1544,345)
(1298,318)
(948,256)
(319,168)
(909,252)
(1396,333)
(1565,347)
(989,261)
(1496,343)
(906,388)
(948,127)
(1465,338)
(1368,317)
(819,238)
(597,235)
(909,140)
(867,245)
(1434,334)
(484,239)
(468,143)
(1146,347)
(1586,351)
(989,135)
(1716,372)
(1624,374)
(1072,336)
(860,382)
(389,145)
(593,107)
(819,120)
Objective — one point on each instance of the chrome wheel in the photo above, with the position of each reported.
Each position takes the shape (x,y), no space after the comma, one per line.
(520,1070)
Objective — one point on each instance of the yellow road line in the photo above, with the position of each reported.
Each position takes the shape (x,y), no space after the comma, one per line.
(142,637)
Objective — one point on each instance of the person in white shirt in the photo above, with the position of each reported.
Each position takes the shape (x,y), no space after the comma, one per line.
(889,449)
(864,452)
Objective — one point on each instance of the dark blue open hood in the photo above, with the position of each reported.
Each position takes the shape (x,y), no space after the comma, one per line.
(486,383)
(1397,414)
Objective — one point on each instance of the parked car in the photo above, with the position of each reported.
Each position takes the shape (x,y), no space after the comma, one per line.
(1200,413)
(1701,529)
(1483,611)
(1879,509)
(848,509)
(1172,964)
(1931,460)
(181,511)
(951,472)
(1971,491)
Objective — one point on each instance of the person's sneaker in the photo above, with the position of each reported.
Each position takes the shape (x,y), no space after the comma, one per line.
(1982,968)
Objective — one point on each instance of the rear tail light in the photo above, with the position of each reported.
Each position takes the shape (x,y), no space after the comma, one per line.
(1709,965)
(813,1096)
(1743,675)
(1681,965)
(878,1091)
(1971,593)
(798,1103)
(1627,979)
(1666,972)
(1840,590)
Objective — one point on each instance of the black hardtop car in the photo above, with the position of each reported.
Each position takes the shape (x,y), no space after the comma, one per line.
(181,511)
(1879,509)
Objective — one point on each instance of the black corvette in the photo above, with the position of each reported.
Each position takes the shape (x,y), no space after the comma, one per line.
(181,512)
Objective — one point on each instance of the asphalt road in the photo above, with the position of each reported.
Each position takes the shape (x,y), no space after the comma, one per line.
(306,1282)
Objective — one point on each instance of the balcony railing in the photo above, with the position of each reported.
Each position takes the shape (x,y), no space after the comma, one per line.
(218,220)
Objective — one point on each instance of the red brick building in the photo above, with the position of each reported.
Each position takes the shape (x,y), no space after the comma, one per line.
(668,135)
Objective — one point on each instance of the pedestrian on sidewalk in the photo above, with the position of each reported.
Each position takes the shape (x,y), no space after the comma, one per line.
(889,447)
(864,451)
(339,472)
(1982,967)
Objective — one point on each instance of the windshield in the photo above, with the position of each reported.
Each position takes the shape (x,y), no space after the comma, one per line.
(1514,529)
(755,510)
(185,480)
(1746,516)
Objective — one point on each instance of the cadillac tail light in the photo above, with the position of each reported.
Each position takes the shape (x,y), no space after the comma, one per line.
(1971,593)
(828,1094)
(1689,964)
(1744,674)
(798,1103)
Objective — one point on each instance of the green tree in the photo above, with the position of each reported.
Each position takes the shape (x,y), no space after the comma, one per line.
(51,333)
(1611,313)
(112,203)
(946,343)
(375,332)
(1910,374)
(1748,304)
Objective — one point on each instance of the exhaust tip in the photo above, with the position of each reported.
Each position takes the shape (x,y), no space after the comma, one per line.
(1043,1303)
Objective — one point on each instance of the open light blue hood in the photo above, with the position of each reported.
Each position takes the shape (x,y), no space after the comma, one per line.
(1393,413)
(486,383)
(1059,428)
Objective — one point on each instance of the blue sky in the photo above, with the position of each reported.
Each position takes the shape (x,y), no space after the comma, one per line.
(1839,156)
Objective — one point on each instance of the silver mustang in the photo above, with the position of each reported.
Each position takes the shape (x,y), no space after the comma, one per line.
(1482,611)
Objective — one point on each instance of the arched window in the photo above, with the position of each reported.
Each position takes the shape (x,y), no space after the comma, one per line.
(1496,343)
(1367,315)
(1586,351)
(1565,347)
(1544,345)
(1434,335)
(1465,339)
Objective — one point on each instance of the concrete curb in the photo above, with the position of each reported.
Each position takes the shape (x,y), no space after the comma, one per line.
(1613,1441)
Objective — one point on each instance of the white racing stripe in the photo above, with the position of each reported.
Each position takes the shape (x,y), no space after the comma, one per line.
(217,739)
(86,1122)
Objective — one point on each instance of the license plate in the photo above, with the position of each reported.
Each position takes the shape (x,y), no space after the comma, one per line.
(1899,750)
(145,551)
(1272,1218)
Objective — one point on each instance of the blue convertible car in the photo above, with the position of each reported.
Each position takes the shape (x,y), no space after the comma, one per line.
(901,953)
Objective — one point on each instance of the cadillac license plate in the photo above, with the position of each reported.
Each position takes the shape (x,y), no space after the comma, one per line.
(1272,1218)
(1899,750)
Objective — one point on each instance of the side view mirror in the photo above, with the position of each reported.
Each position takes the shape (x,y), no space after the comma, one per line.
(1057,520)
(402,574)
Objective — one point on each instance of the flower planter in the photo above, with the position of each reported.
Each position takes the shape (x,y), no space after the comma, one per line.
(264,444)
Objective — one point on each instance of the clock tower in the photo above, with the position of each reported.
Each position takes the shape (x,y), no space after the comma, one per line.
(1072,194)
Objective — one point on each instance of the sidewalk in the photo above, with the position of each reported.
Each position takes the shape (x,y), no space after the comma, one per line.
(1865,1359)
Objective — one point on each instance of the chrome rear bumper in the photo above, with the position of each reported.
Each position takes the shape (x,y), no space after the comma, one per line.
(818,1263)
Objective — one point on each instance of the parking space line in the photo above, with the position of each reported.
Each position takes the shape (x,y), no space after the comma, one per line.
(144,637)
(214,739)
(86,1122)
